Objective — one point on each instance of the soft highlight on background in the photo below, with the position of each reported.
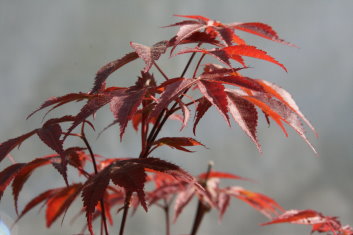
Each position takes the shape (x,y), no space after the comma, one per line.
(50,48)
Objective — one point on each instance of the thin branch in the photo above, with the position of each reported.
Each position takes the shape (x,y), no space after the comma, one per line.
(83,137)
(126,209)
(201,207)
(160,70)
(166,208)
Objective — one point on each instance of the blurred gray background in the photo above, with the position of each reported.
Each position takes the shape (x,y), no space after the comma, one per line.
(50,48)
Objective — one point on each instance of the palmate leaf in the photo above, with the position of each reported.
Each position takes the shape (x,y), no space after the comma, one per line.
(319,222)
(130,175)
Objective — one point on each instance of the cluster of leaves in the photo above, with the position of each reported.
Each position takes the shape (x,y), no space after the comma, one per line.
(148,104)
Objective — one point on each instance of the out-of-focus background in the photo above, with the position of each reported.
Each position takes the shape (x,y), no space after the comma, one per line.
(50,48)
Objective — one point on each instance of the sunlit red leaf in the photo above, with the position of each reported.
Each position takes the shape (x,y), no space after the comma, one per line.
(60,202)
(260,202)
(7,175)
(37,200)
(285,98)
(250,51)
(24,173)
(221,175)
(319,222)
(259,29)
(177,142)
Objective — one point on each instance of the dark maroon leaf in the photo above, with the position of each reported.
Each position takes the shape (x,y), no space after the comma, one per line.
(125,106)
(201,109)
(61,101)
(216,95)
(7,175)
(104,72)
(7,146)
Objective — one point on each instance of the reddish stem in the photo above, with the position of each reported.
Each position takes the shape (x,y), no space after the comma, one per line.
(83,137)
(126,209)
(201,207)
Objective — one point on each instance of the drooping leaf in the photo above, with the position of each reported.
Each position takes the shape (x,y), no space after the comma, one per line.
(36,201)
(125,106)
(235,53)
(7,146)
(177,142)
(216,95)
(24,173)
(92,191)
(260,202)
(104,72)
(150,54)
(60,202)
(245,114)
(201,109)
(93,105)
(186,114)
(259,29)
(250,51)
(182,200)
(268,111)
(221,175)
(319,222)
(7,175)
(61,100)
(280,111)
(234,80)
(286,98)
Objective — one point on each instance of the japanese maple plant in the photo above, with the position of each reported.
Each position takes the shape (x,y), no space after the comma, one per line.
(118,184)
